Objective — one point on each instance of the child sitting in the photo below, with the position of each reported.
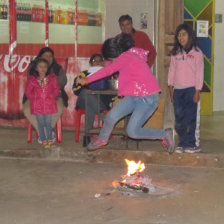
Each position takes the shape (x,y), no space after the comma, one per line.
(42,89)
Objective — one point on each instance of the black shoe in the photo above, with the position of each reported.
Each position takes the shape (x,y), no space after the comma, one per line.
(86,141)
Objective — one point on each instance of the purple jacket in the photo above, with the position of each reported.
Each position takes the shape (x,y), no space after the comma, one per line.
(42,95)
(135,76)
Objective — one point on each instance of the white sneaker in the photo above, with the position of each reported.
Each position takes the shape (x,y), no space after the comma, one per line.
(179,149)
(193,149)
(39,141)
(53,138)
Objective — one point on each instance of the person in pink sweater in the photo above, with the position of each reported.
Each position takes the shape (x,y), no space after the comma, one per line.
(138,87)
(185,80)
(42,89)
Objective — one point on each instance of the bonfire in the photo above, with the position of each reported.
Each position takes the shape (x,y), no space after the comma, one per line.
(134,178)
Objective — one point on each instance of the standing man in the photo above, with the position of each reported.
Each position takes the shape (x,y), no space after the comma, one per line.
(141,39)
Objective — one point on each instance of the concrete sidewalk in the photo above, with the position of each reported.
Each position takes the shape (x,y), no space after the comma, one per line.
(54,192)
(13,144)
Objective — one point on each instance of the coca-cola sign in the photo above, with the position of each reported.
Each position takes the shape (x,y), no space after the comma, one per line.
(13,76)
(16,61)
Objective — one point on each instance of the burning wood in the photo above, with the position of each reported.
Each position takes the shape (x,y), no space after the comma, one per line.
(134,178)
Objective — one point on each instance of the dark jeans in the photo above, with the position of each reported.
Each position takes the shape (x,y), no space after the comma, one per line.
(92,106)
(185,110)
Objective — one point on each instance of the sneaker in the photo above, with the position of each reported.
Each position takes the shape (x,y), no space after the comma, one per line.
(39,140)
(179,149)
(51,144)
(168,141)
(96,144)
(193,149)
(45,144)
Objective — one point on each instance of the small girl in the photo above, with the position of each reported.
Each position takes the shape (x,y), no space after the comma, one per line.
(185,80)
(42,89)
(138,87)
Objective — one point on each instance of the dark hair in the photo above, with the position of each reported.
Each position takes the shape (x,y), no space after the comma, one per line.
(94,56)
(192,42)
(45,49)
(34,63)
(113,47)
(55,67)
(124,17)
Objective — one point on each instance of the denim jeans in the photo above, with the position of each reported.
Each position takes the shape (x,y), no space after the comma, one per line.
(140,108)
(92,106)
(44,122)
(185,110)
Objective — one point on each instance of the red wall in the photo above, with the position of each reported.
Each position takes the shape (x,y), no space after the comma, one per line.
(12,84)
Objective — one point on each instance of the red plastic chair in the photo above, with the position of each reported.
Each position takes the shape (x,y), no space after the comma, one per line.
(58,132)
(78,115)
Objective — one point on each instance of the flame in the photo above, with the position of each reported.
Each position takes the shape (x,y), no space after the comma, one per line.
(134,167)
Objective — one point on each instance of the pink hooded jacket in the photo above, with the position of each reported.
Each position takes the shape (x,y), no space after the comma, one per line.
(187,69)
(42,99)
(135,76)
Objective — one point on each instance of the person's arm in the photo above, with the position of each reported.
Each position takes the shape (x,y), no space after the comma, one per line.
(104,72)
(77,88)
(29,88)
(143,41)
(56,88)
(62,78)
(152,51)
(171,91)
(199,71)
(199,76)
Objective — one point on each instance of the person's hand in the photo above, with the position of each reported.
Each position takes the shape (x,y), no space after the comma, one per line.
(171,93)
(196,97)
(81,81)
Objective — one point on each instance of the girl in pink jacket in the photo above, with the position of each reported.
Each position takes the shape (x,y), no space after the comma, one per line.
(185,80)
(42,90)
(138,87)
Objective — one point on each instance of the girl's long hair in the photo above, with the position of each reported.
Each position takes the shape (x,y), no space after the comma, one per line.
(192,42)
(113,47)
(34,63)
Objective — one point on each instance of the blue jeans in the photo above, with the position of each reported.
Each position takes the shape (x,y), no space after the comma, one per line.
(92,106)
(185,110)
(140,108)
(44,121)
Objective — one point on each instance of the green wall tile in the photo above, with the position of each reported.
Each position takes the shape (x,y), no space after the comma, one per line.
(195,6)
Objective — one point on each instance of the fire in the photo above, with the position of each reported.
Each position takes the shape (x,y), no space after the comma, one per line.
(134,167)
(134,178)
